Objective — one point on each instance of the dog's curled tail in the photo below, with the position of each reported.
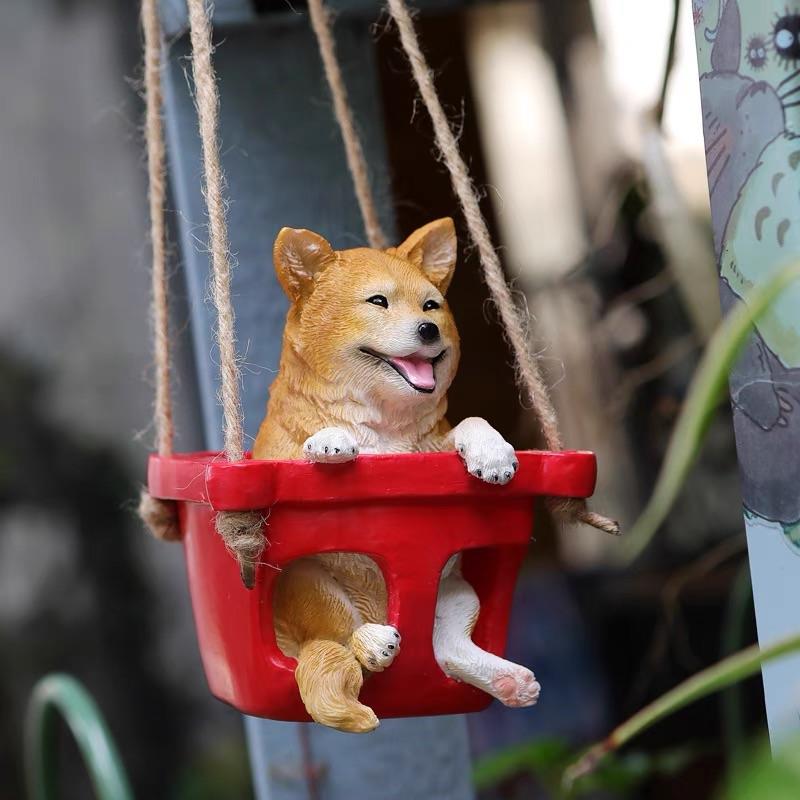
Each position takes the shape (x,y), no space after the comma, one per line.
(329,677)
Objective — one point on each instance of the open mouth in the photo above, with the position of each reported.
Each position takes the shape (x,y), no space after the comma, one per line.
(415,370)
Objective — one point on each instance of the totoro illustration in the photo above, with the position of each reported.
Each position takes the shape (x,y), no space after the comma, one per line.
(750,91)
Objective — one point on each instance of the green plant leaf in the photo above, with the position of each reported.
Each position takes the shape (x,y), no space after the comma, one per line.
(546,759)
(708,384)
(720,675)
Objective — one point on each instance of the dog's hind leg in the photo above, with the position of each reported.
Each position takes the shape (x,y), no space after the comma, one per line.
(459,657)
(329,678)
(314,621)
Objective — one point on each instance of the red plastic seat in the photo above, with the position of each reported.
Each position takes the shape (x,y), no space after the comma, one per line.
(408,512)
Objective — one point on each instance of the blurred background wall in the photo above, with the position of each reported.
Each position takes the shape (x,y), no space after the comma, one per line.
(81,588)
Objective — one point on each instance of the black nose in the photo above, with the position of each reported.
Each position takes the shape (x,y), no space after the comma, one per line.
(428,332)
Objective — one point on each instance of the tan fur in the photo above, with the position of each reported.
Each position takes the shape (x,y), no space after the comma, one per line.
(325,381)
(330,678)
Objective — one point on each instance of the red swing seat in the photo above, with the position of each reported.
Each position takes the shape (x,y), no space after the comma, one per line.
(410,513)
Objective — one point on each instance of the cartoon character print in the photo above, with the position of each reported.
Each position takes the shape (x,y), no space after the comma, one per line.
(750,91)
(755,52)
(698,13)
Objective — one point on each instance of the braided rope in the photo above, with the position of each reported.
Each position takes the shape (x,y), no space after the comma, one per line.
(160,516)
(242,532)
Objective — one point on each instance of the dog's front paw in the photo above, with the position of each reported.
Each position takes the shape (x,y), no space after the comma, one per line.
(375,646)
(330,446)
(487,455)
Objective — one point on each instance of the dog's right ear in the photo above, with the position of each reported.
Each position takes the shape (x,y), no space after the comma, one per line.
(300,256)
(433,249)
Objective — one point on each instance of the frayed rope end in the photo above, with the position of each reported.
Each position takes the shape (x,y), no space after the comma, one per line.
(160,517)
(600,522)
(574,510)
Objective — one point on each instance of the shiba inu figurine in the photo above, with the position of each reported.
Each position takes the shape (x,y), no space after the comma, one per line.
(369,351)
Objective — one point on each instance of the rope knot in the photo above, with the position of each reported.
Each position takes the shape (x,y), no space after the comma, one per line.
(243,534)
(160,517)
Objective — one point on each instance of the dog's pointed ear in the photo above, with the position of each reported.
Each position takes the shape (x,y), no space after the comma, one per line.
(433,248)
(300,256)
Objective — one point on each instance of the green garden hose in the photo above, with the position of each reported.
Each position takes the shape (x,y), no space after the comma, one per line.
(61,695)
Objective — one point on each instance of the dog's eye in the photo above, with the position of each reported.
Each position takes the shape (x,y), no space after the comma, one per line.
(378,300)
(430,305)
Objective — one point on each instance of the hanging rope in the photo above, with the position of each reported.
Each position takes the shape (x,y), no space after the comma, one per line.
(164,427)
(242,532)
(527,370)
(321,23)
(160,516)
(207,102)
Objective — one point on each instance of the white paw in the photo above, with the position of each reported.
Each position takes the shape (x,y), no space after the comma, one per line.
(330,446)
(375,646)
(487,455)
(516,689)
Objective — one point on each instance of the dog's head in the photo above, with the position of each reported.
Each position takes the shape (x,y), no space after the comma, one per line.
(373,320)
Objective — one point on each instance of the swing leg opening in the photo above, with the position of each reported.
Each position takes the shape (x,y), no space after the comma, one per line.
(329,613)
(460,658)
(458,611)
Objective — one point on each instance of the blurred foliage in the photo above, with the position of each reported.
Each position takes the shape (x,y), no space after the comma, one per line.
(602,769)
(221,773)
(759,775)
(766,775)
(725,673)
(545,760)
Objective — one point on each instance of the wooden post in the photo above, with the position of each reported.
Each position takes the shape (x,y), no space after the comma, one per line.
(285,165)
(749,55)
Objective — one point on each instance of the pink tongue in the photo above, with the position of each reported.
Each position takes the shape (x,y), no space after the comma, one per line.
(418,370)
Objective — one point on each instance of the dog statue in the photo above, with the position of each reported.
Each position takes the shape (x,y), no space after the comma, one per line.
(369,351)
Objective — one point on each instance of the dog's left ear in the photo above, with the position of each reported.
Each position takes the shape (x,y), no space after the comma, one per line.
(433,249)
(300,256)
